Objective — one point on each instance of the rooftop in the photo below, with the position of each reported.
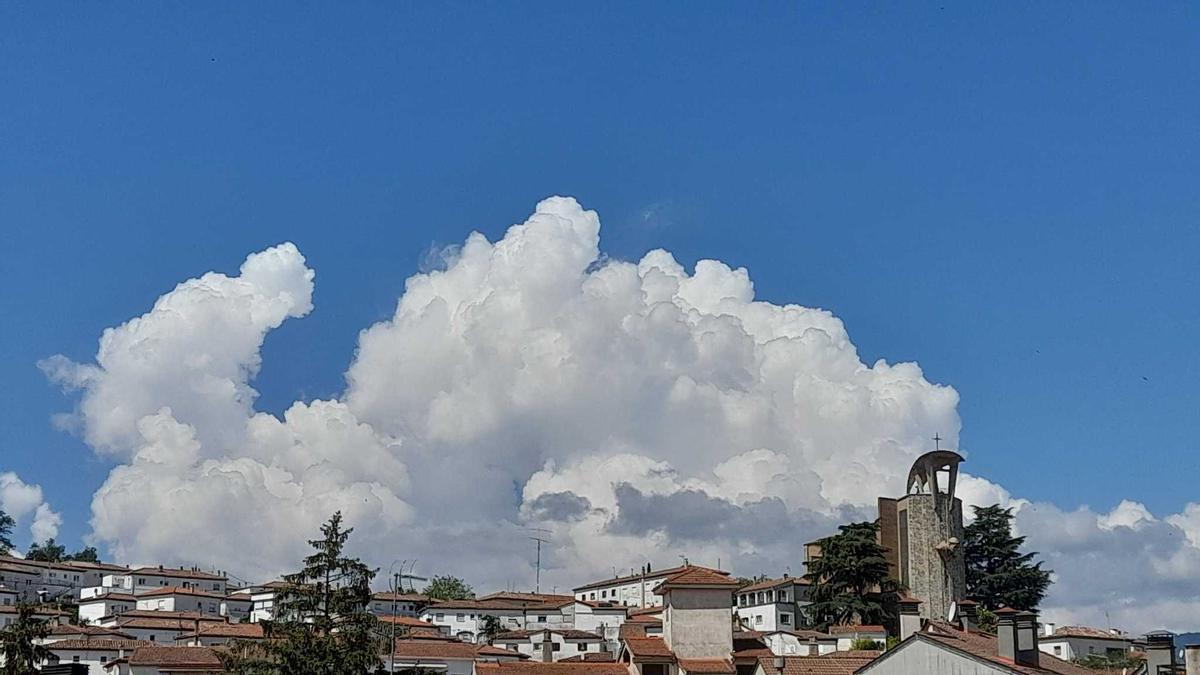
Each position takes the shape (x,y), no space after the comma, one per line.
(632,578)
(708,666)
(649,649)
(768,584)
(174,656)
(564,667)
(180,573)
(694,576)
(834,663)
(984,646)
(98,644)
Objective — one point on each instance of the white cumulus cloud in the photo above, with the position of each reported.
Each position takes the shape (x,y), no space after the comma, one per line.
(637,410)
(20,500)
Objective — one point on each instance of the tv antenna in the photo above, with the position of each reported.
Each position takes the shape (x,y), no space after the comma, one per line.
(540,535)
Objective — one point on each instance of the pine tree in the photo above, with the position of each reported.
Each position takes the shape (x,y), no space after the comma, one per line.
(998,574)
(20,649)
(322,626)
(849,581)
(6,526)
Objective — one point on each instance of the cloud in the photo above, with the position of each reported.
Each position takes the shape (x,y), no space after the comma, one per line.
(20,499)
(634,409)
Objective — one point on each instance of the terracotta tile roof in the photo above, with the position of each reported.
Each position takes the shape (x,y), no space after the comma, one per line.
(603,604)
(549,599)
(984,646)
(834,663)
(176,573)
(387,596)
(748,647)
(408,648)
(494,651)
(773,583)
(162,613)
(1089,633)
(632,578)
(244,631)
(710,666)
(649,649)
(175,656)
(68,629)
(696,576)
(563,667)
(631,630)
(495,605)
(855,628)
(150,622)
(405,621)
(641,611)
(98,644)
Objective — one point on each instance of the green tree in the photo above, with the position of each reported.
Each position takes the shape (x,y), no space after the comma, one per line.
(746,581)
(491,627)
(448,588)
(88,554)
(323,626)
(48,551)
(849,581)
(6,526)
(859,644)
(19,643)
(998,574)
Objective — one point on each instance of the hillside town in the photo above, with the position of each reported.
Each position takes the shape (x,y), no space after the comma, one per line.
(92,617)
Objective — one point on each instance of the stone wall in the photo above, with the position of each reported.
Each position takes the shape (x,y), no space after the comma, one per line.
(937,579)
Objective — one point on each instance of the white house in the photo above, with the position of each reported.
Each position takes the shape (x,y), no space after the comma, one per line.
(264,599)
(448,656)
(8,596)
(799,642)
(93,653)
(94,608)
(633,590)
(8,615)
(398,604)
(178,599)
(464,619)
(848,635)
(143,579)
(158,626)
(550,644)
(1076,642)
(24,581)
(773,604)
(602,618)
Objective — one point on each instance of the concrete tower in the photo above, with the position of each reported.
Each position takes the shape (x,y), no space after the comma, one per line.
(923,533)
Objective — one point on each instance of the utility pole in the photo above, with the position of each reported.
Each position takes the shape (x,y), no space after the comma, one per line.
(539,538)
(397,579)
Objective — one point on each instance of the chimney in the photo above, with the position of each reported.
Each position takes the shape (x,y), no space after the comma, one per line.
(910,616)
(1048,629)
(1191,659)
(968,615)
(1160,653)
(1016,637)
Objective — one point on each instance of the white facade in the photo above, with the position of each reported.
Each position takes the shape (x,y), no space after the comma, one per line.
(145,579)
(8,596)
(771,605)
(95,655)
(1073,647)
(845,640)
(918,657)
(464,620)
(180,600)
(605,621)
(635,590)
(25,582)
(91,610)
(787,643)
(550,645)
(398,604)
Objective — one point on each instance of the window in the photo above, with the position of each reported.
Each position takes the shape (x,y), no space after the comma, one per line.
(1057,650)
(217,587)
(783,618)
(152,640)
(104,659)
(541,619)
(75,659)
(593,598)
(436,617)
(459,617)
(554,647)
(757,621)
(582,646)
(782,598)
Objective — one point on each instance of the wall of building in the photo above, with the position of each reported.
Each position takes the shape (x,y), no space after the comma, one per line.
(924,521)
(697,623)
(92,612)
(94,659)
(1074,648)
(784,644)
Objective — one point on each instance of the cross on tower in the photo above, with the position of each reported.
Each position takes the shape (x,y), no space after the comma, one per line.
(937,442)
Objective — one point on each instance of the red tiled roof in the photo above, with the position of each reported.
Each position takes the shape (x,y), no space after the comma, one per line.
(696,576)
(101,644)
(649,649)
(563,667)
(405,621)
(709,666)
(174,656)
(640,611)
(387,596)
(408,648)
(648,619)
(161,613)
(590,657)
(834,663)
(632,578)
(843,630)
(567,633)
(1089,633)
(245,631)
(550,599)
(492,650)
(176,573)
(68,629)
(115,597)
(496,605)
(984,646)
(631,630)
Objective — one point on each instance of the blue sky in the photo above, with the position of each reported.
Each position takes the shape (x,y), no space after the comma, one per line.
(1005,194)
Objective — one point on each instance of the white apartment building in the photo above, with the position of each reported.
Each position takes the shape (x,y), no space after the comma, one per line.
(773,604)
(94,608)
(145,579)
(550,644)
(634,590)
(96,654)
(799,643)
(24,581)
(1077,642)
(463,619)
(176,599)
(264,600)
